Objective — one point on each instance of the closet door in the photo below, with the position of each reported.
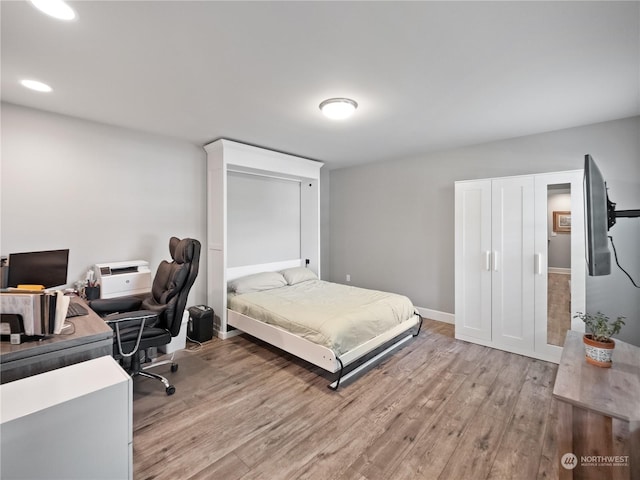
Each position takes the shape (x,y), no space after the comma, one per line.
(559,267)
(473,260)
(512,262)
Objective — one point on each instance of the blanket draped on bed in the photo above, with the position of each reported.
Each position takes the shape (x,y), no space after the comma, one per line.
(340,317)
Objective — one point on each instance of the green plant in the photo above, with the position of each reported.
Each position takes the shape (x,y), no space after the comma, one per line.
(599,325)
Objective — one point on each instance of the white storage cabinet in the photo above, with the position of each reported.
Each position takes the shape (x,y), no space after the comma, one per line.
(71,423)
(501,261)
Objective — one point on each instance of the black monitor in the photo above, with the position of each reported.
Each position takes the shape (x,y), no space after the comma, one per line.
(597,213)
(47,268)
(601,215)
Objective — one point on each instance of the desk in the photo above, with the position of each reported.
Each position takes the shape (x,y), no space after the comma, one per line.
(598,413)
(92,338)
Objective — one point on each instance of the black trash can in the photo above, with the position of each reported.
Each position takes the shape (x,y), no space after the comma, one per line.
(200,326)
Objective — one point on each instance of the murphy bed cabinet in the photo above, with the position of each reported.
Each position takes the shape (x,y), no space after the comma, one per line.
(502,237)
(228,160)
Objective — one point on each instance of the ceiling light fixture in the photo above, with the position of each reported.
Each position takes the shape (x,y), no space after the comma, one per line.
(55,8)
(338,108)
(35,85)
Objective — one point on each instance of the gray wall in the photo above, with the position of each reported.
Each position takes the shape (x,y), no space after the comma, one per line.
(392,222)
(106,193)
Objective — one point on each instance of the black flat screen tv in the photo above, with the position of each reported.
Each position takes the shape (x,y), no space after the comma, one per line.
(601,215)
(48,268)
(598,211)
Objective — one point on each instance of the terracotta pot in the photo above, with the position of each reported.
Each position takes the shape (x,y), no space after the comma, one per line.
(598,353)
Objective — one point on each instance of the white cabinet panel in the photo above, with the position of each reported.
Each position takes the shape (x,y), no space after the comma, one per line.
(512,289)
(473,259)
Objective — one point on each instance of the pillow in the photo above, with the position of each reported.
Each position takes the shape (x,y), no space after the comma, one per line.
(298,274)
(257,282)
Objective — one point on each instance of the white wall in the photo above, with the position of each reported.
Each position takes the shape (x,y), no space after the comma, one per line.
(106,193)
(392,223)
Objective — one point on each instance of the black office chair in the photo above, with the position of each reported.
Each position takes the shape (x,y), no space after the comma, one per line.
(140,324)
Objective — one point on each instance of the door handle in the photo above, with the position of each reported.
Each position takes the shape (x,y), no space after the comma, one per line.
(487,261)
(537,265)
(495,261)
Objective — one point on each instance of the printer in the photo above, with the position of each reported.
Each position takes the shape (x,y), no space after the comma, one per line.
(119,279)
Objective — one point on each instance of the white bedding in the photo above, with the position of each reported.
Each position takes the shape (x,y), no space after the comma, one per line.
(340,317)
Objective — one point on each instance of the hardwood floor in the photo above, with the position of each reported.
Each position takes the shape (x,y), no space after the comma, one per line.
(439,408)
(558,307)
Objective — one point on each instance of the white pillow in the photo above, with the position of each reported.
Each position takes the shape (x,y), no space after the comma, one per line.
(256,282)
(298,274)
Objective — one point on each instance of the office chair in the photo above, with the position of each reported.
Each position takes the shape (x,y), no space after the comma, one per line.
(140,324)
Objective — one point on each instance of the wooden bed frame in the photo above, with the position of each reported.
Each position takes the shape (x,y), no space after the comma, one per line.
(318,355)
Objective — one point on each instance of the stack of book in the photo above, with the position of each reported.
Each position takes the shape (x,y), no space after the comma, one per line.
(42,313)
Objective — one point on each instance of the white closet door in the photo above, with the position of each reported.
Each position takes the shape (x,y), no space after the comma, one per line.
(473,259)
(574,180)
(513,262)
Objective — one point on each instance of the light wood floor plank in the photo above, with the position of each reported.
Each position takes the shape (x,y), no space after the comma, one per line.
(535,397)
(518,452)
(549,459)
(229,467)
(478,447)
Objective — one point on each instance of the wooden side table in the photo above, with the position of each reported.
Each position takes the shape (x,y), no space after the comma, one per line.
(598,413)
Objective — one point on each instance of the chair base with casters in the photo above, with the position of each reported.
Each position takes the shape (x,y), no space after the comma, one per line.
(136,368)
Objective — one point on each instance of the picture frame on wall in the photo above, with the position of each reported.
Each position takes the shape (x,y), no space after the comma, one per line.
(562,222)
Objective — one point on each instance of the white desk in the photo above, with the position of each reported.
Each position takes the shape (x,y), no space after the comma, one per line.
(73,423)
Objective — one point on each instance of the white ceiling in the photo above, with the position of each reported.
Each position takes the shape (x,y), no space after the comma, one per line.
(427,75)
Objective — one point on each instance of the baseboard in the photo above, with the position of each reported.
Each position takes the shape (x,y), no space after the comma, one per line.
(436,315)
(564,271)
(228,334)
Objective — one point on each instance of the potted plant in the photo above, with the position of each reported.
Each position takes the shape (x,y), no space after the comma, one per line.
(598,344)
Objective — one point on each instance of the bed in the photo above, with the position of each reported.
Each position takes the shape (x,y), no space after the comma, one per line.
(327,324)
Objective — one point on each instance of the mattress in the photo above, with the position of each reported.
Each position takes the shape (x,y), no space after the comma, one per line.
(339,317)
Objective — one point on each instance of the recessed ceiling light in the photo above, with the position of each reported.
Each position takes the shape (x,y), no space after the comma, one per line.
(55,8)
(338,108)
(35,85)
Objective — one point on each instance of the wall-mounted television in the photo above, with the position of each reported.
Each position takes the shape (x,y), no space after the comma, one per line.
(600,215)
(597,213)
(47,268)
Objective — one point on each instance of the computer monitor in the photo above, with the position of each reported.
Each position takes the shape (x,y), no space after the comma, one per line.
(48,268)
(597,206)
(601,214)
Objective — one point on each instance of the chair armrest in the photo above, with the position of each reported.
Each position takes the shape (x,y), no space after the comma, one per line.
(120,322)
(139,318)
(104,306)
